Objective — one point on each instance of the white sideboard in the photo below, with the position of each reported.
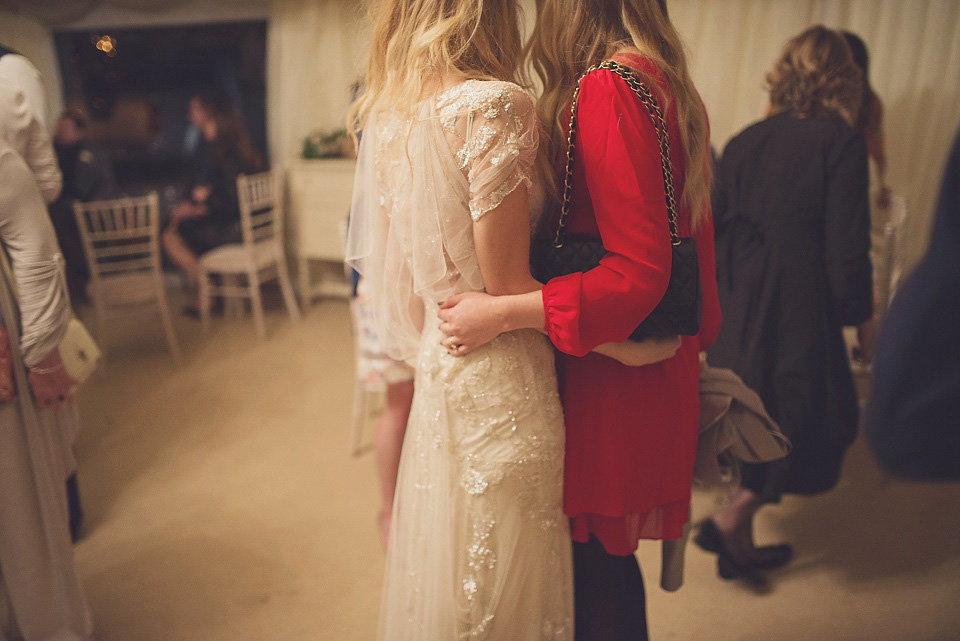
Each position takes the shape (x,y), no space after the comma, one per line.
(320,193)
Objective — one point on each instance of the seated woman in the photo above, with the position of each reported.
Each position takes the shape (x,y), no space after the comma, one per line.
(210,216)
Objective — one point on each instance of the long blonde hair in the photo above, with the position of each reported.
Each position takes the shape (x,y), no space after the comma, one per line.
(573,35)
(415,42)
(816,75)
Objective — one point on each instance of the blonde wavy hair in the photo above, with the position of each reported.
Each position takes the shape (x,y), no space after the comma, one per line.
(571,36)
(816,76)
(419,42)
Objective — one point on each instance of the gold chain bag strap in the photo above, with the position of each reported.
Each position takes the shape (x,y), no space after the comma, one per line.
(679,311)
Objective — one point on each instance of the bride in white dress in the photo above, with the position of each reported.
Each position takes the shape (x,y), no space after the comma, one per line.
(479,546)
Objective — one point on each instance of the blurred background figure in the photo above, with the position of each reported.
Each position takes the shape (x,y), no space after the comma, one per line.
(22,109)
(912,416)
(87,175)
(209,214)
(40,587)
(377,370)
(793,240)
(870,123)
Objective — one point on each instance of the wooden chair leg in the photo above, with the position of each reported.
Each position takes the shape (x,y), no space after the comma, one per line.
(256,302)
(205,301)
(167,323)
(101,330)
(233,306)
(359,418)
(303,280)
(283,274)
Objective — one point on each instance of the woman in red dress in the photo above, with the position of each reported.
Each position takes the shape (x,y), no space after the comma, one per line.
(631,431)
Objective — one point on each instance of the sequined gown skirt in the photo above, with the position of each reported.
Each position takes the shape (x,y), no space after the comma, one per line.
(479,546)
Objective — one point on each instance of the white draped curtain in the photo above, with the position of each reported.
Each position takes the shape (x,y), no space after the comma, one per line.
(315,53)
(914,68)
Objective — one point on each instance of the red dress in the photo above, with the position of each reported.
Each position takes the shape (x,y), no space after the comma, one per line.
(631,431)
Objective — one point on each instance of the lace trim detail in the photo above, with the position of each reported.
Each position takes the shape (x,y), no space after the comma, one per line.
(480,206)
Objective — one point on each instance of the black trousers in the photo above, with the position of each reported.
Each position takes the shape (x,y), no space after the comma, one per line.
(609,599)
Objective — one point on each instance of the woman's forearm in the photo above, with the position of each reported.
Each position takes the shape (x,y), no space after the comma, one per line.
(521,311)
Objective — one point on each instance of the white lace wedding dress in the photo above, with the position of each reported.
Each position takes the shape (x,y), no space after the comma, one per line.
(479,546)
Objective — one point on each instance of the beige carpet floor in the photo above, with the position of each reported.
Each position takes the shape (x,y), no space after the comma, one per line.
(222,505)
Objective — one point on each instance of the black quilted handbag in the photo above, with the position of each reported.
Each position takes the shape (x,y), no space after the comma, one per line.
(678,312)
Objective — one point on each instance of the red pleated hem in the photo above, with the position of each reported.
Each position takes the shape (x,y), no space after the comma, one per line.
(620,535)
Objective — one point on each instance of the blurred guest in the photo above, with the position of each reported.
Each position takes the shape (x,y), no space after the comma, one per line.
(870,123)
(23,121)
(374,367)
(87,175)
(913,413)
(793,263)
(209,215)
(40,587)
(870,117)
(22,109)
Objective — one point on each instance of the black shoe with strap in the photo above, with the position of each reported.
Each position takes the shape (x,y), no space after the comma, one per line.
(766,557)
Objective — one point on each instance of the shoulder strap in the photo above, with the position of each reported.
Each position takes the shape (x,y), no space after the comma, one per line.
(663,137)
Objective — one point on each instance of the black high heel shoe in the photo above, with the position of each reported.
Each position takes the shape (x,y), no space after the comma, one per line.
(767,557)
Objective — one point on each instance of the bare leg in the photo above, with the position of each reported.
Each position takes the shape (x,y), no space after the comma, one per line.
(183,257)
(387,442)
(181,254)
(735,520)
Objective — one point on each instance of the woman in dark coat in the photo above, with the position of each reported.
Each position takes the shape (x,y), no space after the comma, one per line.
(793,267)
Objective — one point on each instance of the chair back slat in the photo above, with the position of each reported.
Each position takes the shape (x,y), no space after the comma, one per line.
(133,249)
(128,266)
(261,207)
(120,236)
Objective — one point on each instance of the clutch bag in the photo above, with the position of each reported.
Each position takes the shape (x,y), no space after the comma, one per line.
(78,351)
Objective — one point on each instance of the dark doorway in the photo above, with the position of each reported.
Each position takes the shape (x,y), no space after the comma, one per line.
(135,84)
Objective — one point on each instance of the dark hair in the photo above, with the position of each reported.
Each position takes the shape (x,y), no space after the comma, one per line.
(232,140)
(859,50)
(213,102)
(861,57)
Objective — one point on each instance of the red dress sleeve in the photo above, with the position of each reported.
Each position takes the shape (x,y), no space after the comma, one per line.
(618,150)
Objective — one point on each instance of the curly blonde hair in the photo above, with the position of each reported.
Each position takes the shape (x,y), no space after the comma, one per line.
(816,76)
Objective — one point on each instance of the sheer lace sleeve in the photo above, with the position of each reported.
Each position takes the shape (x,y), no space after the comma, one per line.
(500,142)
(421,182)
